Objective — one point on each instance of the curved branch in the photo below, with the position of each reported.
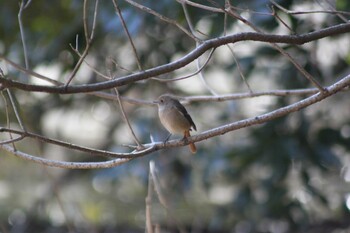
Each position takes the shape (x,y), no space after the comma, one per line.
(88,41)
(243,95)
(94,152)
(331,90)
(62,164)
(166,68)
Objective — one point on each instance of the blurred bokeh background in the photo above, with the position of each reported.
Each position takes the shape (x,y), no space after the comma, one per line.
(289,175)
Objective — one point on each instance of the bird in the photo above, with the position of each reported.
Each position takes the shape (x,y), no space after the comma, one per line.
(175,118)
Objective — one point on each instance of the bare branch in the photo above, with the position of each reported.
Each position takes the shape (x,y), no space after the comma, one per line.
(201,6)
(150,103)
(188,18)
(23,6)
(93,152)
(189,75)
(88,40)
(307,12)
(29,72)
(330,6)
(306,74)
(162,198)
(163,18)
(342,84)
(14,107)
(274,13)
(240,69)
(11,140)
(148,201)
(55,189)
(126,119)
(219,98)
(117,9)
(331,90)
(238,96)
(58,83)
(85,22)
(60,164)
(163,69)
(200,73)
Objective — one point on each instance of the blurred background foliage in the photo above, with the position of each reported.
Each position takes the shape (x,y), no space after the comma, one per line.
(289,175)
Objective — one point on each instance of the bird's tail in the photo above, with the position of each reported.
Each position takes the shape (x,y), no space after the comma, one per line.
(192,146)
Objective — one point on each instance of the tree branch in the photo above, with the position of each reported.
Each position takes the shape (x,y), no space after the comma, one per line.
(150,148)
(88,41)
(166,68)
(71,146)
(61,164)
(120,15)
(331,90)
(23,6)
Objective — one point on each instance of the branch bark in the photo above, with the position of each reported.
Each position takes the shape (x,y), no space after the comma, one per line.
(150,148)
(194,54)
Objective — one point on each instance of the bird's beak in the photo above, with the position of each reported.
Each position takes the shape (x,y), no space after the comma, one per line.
(156,101)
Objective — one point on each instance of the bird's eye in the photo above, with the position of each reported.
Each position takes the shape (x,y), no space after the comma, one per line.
(161,100)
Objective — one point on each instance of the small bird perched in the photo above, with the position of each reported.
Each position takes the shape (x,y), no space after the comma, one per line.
(175,118)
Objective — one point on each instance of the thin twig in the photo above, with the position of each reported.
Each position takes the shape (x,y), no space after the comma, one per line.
(15,110)
(23,6)
(307,12)
(330,6)
(118,66)
(200,73)
(85,22)
(56,192)
(227,4)
(245,95)
(120,15)
(189,75)
(58,83)
(306,74)
(12,140)
(89,65)
(88,40)
(188,18)
(162,17)
(93,152)
(275,14)
(297,106)
(126,119)
(62,164)
(30,72)
(8,123)
(161,197)
(201,6)
(239,69)
(148,201)
(204,82)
